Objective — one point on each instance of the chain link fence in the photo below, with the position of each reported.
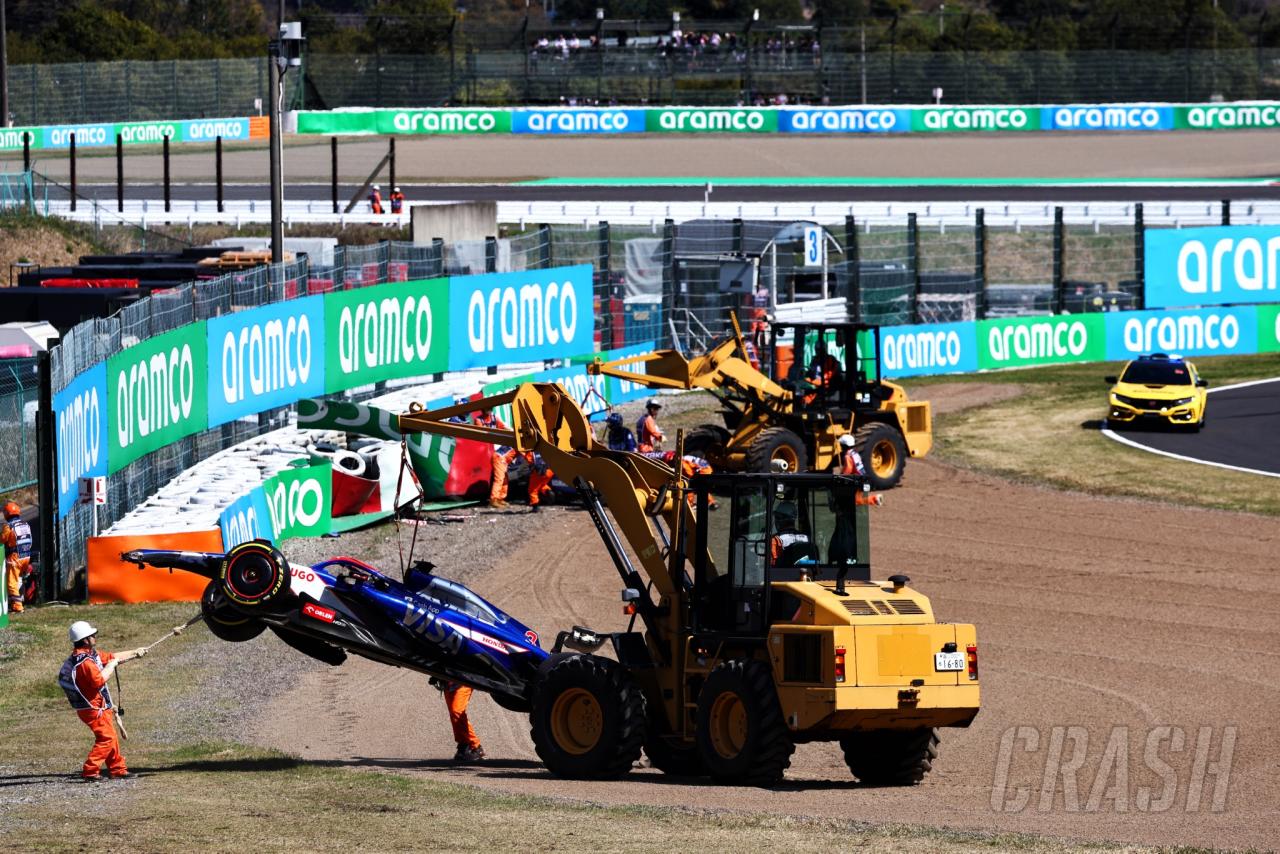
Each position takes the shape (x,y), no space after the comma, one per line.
(844,70)
(675,284)
(19,396)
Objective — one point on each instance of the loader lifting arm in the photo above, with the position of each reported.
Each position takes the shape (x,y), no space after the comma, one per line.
(546,420)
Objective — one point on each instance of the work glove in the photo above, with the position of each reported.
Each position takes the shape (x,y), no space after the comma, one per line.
(139,652)
(177,630)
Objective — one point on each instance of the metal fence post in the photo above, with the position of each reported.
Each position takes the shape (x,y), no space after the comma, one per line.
(545,247)
(1139,251)
(491,254)
(1059,235)
(47,472)
(737,236)
(333,170)
(669,274)
(72,164)
(980,259)
(437,248)
(604,279)
(913,263)
(119,173)
(1226,212)
(217,168)
(853,259)
(167,200)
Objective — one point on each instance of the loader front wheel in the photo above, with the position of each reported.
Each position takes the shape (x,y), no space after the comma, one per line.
(891,757)
(883,452)
(588,718)
(742,736)
(777,445)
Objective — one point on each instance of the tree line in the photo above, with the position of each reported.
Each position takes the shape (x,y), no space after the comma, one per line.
(50,31)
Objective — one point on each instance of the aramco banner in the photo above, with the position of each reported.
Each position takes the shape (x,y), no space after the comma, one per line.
(1215,265)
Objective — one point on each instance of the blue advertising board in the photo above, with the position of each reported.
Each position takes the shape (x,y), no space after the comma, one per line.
(577,121)
(938,348)
(1091,117)
(247,518)
(844,120)
(80,413)
(1217,265)
(1195,332)
(265,357)
(500,318)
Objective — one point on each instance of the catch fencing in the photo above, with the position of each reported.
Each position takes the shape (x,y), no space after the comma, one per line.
(19,395)
(844,70)
(674,283)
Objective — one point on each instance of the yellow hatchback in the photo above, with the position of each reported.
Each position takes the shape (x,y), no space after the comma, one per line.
(1158,389)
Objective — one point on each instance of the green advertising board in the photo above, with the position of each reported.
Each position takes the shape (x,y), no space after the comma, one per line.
(1226,116)
(1022,341)
(710,120)
(937,119)
(1269,329)
(442,121)
(338,122)
(299,501)
(386,332)
(157,393)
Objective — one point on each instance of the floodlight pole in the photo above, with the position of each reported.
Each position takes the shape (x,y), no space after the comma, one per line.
(277,151)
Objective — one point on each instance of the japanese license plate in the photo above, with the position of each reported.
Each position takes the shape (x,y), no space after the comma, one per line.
(948,661)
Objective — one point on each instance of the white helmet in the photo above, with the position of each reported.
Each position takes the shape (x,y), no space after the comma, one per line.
(395,189)
(653,404)
(80,630)
(846,441)
(376,187)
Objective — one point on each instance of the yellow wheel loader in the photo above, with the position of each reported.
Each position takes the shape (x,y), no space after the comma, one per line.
(761,625)
(825,383)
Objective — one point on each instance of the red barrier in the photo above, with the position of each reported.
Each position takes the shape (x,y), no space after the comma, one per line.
(397,271)
(68,282)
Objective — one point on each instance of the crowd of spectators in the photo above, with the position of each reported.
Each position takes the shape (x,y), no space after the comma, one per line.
(693,49)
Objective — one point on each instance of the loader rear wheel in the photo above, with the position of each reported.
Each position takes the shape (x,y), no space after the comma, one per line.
(703,438)
(742,737)
(891,757)
(225,622)
(588,718)
(777,444)
(883,452)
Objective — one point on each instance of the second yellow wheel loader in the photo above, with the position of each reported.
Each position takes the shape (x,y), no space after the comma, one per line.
(822,386)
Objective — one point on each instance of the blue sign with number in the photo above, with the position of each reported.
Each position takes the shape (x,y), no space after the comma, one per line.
(815,246)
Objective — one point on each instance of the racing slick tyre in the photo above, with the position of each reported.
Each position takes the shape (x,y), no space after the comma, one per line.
(225,622)
(777,444)
(891,757)
(742,736)
(254,575)
(703,438)
(588,718)
(883,452)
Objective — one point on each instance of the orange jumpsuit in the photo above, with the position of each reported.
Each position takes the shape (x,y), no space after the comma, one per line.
(14,567)
(648,436)
(502,460)
(92,702)
(456,697)
(539,481)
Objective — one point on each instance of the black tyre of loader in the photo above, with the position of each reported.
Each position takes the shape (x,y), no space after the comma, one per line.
(884,453)
(742,736)
(701,439)
(254,575)
(670,756)
(225,622)
(891,757)
(777,443)
(588,718)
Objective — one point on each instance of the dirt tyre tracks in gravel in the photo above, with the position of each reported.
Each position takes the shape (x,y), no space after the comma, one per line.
(1086,615)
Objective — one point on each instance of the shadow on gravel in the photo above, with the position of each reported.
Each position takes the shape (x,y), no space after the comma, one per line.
(539,772)
(32,779)
(1093,424)
(282,763)
(422,764)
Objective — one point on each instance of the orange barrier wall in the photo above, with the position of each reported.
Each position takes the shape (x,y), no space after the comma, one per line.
(113,580)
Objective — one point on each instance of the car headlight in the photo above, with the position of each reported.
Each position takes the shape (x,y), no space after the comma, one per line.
(1182,401)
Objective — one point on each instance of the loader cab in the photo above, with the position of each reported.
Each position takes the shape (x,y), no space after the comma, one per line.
(770,528)
(828,365)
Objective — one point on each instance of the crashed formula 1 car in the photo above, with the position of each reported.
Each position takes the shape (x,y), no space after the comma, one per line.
(340,605)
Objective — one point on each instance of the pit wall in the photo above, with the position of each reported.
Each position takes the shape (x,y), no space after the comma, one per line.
(795,120)
(216,371)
